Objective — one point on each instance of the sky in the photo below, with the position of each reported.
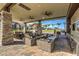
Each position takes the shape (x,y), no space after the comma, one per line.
(54,21)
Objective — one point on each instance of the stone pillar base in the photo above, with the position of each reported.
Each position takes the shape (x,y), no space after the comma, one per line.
(6,34)
(30,42)
(45,46)
(8,41)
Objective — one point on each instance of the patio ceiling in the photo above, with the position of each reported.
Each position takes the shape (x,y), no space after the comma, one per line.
(37,11)
(2,5)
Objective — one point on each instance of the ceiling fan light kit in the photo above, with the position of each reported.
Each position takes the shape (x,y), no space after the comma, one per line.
(47,13)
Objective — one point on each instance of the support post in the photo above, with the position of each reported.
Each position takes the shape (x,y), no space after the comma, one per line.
(68,26)
(39,30)
(6,34)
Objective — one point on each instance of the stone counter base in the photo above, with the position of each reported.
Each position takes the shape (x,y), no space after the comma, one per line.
(7,42)
(6,34)
(30,42)
(45,45)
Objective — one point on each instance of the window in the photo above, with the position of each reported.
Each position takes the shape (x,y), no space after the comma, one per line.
(49,26)
(77,25)
(73,27)
(32,26)
(16,26)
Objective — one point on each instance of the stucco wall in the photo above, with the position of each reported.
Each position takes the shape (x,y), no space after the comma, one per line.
(75,18)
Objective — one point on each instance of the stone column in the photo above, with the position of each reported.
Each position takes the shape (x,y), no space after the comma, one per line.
(6,34)
(68,26)
(0,30)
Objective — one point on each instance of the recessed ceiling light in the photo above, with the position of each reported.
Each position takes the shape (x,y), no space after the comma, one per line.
(38,5)
(43,17)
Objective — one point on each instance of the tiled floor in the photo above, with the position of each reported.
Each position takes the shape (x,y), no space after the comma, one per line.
(23,50)
(20,49)
(61,49)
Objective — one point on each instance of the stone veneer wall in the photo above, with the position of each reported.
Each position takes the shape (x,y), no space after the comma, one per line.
(6,35)
(44,45)
(0,30)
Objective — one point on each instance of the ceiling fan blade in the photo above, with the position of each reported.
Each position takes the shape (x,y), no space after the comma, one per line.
(24,6)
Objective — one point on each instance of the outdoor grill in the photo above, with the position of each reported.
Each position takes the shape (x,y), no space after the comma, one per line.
(46,44)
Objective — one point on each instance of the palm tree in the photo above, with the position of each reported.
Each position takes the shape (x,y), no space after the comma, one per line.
(52,25)
(45,26)
(48,24)
(58,24)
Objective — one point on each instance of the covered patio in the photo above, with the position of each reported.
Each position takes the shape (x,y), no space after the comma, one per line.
(39,29)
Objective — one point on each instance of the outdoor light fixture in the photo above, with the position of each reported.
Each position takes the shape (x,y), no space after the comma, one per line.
(47,13)
(31,17)
(38,5)
(43,17)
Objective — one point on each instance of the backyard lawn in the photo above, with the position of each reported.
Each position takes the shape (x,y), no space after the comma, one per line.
(49,31)
(44,31)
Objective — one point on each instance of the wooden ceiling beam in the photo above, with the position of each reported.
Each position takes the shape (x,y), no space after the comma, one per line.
(72,8)
(8,6)
(24,6)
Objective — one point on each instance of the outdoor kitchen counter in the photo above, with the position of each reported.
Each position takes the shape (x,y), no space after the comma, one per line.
(76,40)
(46,45)
(29,40)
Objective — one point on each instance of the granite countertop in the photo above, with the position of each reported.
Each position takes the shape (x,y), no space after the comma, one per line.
(51,38)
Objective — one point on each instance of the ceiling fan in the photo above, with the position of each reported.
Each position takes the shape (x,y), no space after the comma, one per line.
(24,6)
(47,13)
(10,5)
(31,17)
